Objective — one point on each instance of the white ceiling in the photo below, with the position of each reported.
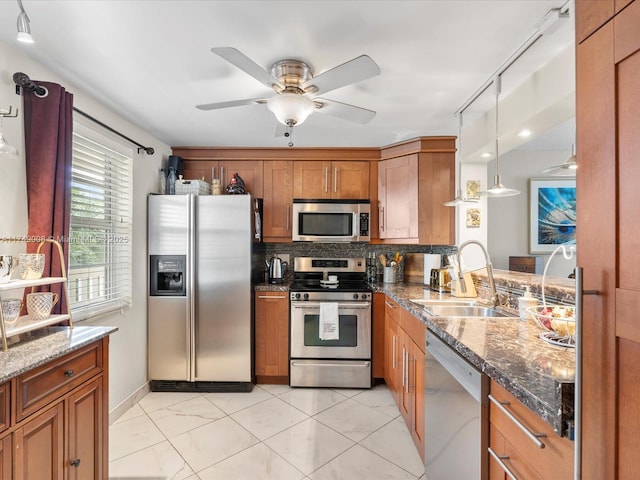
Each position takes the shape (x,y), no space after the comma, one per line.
(152,61)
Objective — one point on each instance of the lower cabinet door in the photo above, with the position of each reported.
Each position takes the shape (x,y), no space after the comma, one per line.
(85,431)
(5,458)
(39,447)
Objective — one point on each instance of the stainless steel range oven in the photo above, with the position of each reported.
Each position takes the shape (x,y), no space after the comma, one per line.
(330,323)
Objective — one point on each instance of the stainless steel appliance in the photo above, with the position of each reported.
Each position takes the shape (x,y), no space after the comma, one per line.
(331,220)
(275,270)
(456,415)
(200,296)
(330,323)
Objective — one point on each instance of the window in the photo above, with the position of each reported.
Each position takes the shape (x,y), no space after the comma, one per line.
(100,229)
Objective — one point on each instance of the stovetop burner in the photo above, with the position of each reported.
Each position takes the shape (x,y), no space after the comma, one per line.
(311,279)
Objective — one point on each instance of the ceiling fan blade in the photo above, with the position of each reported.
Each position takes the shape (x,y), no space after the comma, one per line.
(231,103)
(344,110)
(356,70)
(244,63)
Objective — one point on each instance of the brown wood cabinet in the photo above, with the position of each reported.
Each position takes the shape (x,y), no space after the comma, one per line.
(272,337)
(514,451)
(331,179)
(377,329)
(607,102)
(414,180)
(278,199)
(393,369)
(60,427)
(250,171)
(404,367)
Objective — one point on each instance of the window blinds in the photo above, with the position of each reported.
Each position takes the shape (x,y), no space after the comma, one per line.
(101,223)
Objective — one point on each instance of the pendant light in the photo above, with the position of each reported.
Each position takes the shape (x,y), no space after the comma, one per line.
(498,189)
(566,169)
(460,199)
(24,26)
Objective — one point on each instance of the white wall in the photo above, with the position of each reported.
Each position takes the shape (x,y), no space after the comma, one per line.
(128,347)
(509,216)
(472,255)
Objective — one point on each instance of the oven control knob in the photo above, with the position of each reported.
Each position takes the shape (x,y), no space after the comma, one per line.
(355,296)
(297,296)
(306,296)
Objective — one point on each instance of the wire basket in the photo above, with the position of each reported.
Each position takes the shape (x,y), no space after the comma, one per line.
(558,319)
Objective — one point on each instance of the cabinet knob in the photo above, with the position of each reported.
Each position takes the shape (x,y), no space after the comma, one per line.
(68,373)
(75,463)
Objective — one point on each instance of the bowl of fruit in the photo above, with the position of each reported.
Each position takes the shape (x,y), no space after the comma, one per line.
(558,319)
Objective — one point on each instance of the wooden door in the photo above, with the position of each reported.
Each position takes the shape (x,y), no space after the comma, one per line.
(250,171)
(278,198)
(392,351)
(417,386)
(398,197)
(350,180)
(85,433)
(272,336)
(5,458)
(39,447)
(311,180)
(405,394)
(199,169)
(608,99)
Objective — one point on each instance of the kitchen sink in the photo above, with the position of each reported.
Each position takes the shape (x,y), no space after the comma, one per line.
(426,302)
(463,311)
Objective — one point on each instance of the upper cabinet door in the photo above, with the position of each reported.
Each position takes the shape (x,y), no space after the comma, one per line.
(311,179)
(398,197)
(278,199)
(592,14)
(323,180)
(249,171)
(350,180)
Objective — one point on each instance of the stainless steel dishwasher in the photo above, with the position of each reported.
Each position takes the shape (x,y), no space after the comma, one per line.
(456,415)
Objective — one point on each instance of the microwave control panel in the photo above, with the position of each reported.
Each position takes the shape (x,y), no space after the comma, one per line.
(364,224)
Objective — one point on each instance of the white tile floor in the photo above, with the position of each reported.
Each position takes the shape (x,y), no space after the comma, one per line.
(274,432)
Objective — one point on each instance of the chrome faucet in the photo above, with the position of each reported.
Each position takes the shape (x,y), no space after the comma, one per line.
(492,284)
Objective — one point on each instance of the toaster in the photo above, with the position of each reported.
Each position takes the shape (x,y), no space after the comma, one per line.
(440,280)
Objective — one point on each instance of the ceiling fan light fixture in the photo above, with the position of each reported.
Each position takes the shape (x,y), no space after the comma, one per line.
(291,108)
(23,24)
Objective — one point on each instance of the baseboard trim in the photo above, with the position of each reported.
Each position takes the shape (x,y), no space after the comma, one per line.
(128,402)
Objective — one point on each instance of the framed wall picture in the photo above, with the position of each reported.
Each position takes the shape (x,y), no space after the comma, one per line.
(552,213)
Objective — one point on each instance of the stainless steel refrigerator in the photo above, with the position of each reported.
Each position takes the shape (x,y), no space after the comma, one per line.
(200,293)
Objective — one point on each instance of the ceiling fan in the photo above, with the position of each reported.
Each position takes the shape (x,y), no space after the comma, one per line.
(296,87)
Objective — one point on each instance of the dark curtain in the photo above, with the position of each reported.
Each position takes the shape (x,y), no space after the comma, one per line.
(48,127)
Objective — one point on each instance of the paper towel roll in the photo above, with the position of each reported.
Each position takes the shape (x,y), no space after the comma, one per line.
(431,260)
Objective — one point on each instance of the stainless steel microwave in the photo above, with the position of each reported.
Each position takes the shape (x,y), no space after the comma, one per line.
(331,220)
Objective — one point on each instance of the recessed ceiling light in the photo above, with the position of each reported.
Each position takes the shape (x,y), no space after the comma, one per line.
(525,133)
(487,155)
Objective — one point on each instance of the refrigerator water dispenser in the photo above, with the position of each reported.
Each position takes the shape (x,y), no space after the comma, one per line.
(167,275)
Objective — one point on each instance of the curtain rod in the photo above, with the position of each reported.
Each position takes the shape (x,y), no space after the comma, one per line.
(148,150)
(23,81)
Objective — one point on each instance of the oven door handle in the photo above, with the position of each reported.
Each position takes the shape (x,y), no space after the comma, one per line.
(341,305)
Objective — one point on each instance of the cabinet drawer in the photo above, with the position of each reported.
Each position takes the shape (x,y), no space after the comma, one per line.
(553,461)
(392,309)
(41,385)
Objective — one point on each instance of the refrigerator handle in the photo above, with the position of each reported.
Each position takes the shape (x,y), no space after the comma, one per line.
(191,283)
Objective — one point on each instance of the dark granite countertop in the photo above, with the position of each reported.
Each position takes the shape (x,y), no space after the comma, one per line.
(508,350)
(38,347)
